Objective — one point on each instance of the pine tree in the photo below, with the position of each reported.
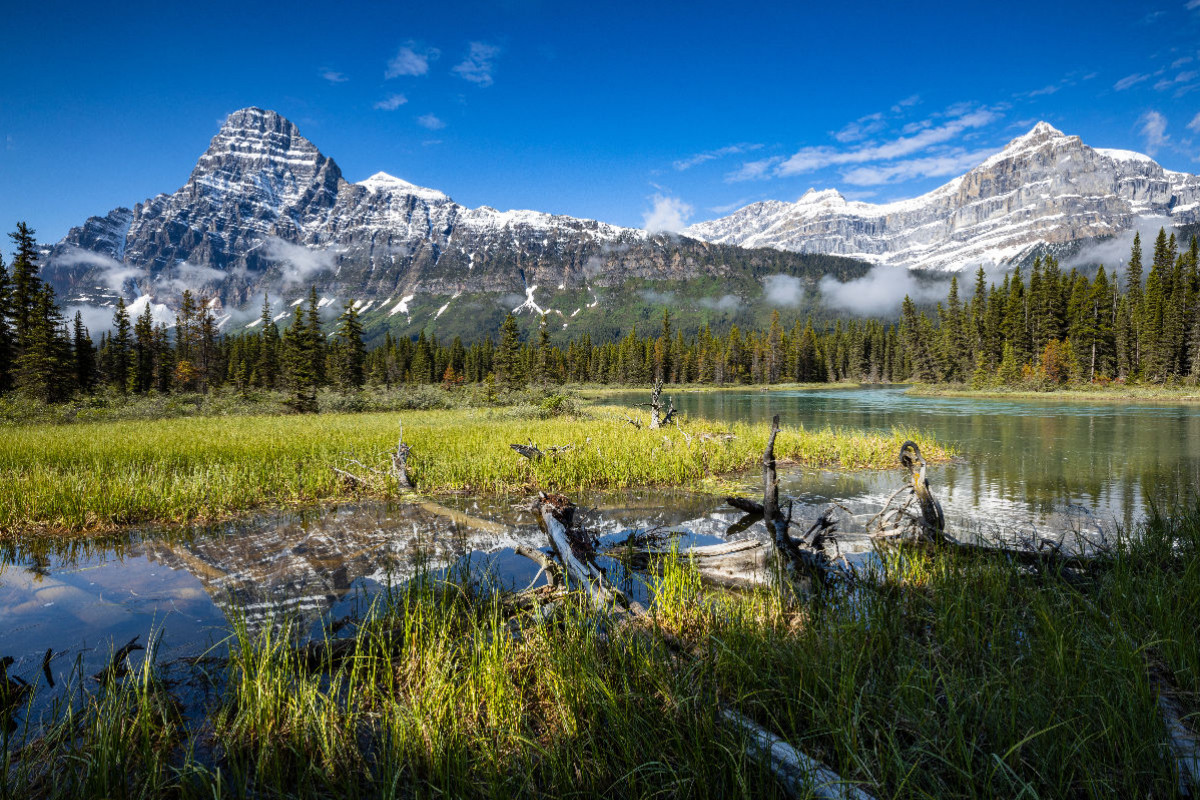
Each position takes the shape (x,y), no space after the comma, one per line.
(142,373)
(45,364)
(298,364)
(26,285)
(1133,308)
(508,367)
(120,347)
(353,354)
(315,338)
(7,345)
(85,355)
(268,349)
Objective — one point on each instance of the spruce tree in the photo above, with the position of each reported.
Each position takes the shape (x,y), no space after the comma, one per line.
(353,353)
(7,345)
(85,355)
(45,364)
(26,285)
(267,368)
(508,367)
(299,364)
(120,346)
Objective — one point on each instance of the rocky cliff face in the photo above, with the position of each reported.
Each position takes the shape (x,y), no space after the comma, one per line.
(265,212)
(1044,187)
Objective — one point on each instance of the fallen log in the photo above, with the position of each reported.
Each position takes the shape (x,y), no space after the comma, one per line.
(119,665)
(797,773)
(576,553)
(745,504)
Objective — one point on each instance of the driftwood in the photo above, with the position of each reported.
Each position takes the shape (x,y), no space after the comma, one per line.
(575,551)
(798,774)
(400,462)
(655,405)
(1185,745)
(119,665)
(12,689)
(912,512)
(534,453)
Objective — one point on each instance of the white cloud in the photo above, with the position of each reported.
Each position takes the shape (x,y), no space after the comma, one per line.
(185,275)
(1194,125)
(937,166)
(1167,83)
(736,204)
(1113,253)
(709,155)
(479,63)
(333,76)
(1154,130)
(861,128)
(391,102)
(783,290)
(880,291)
(669,215)
(810,159)
(411,60)
(1130,80)
(753,170)
(298,263)
(113,274)
(430,121)
(726,302)
(1192,5)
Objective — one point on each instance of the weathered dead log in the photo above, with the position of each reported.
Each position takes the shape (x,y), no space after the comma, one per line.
(797,773)
(349,479)
(912,512)
(655,405)
(530,450)
(797,559)
(547,564)
(575,551)
(632,421)
(119,665)
(1185,745)
(46,659)
(745,504)
(737,565)
(400,462)
(13,690)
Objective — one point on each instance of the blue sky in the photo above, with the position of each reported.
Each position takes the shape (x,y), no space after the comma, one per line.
(613,111)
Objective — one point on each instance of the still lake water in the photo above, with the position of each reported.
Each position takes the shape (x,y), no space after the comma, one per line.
(1026,466)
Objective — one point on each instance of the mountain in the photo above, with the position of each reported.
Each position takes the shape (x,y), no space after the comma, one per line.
(265,212)
(1043,188)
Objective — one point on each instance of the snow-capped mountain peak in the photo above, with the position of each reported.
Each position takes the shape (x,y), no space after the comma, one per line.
(383,182)
(1043,186)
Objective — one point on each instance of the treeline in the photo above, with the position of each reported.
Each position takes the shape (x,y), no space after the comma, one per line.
(1048,330)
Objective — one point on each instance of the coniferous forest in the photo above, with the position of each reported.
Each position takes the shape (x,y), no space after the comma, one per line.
(1040,330)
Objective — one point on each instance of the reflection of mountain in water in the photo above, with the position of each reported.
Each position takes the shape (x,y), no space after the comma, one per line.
(304,564)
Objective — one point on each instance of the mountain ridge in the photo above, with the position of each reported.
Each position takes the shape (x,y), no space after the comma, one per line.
(1042,187)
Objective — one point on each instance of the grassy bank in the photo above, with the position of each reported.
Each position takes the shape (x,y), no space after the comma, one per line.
(98,476)
(950,676)
(1107,392)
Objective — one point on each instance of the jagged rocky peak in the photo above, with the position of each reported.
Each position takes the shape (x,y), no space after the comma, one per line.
(1043,187)
(259,147)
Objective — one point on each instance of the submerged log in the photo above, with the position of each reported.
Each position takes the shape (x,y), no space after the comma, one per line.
(119,665)
(797,773)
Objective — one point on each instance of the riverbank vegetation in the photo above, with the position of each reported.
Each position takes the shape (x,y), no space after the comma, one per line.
(939,673)
(98,476)
(1057,329)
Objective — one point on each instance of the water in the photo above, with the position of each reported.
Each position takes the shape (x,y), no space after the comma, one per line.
(1027,465)
(1024,461)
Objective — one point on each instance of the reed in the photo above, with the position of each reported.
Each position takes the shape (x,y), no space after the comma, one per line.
(98,477)
(947,674)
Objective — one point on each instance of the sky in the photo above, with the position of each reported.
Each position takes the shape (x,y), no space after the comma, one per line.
(641,114)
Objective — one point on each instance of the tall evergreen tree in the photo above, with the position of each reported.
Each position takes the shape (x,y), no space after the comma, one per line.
(85,355)
(7,345)
(120,347)
(45,364)
(353,353)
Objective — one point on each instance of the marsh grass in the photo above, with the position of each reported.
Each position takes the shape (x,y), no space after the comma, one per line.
(946,675)
(96,477)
